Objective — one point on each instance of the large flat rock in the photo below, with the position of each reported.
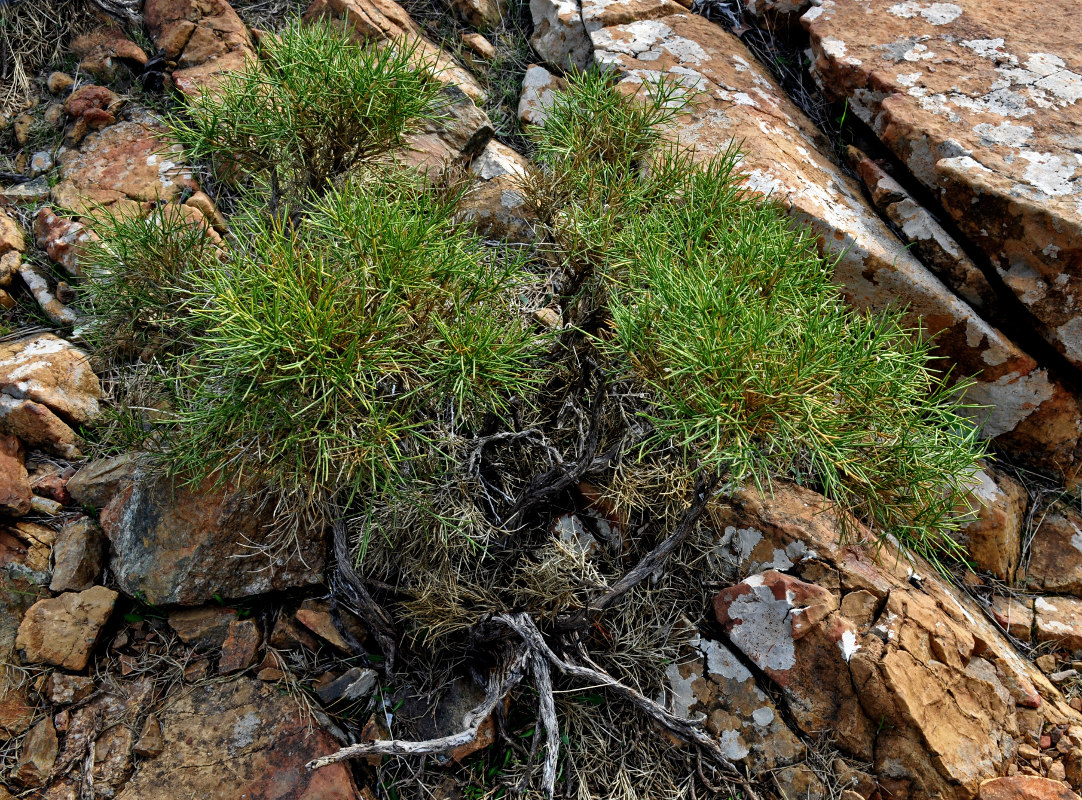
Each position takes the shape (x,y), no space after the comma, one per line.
(1028,411)
(979,98)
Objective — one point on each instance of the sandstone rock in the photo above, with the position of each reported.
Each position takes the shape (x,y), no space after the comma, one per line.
(932,689)
(1059,619)
(1033,416)
(714,686)
(538,85)
(496,204)
(1014,615)
(37,426)
(11,235)
(50,371)
(150,743)
(237,739)
(206,627)
(62,631)
(124,167)
(10,263)
(479,45)
(59,82)
(288,635)
(1055,556)
(559,35)
(78,556)
(979,100)
(63,240)
(1025,788)
(65,689)
(37,755)
(481,14)
(104,51)
(178,545)
(993,538)
(15,492)
(320,622)
(241,646)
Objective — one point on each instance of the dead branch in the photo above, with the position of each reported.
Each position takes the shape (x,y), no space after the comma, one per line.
(500,684)
(350,584)
(547,712)
(652,561)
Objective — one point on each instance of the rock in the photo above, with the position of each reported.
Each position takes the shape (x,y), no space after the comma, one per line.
(993,538)
(288,635)
(538,85)
(10,263)
(1025,788)
(125,167)
(37,426)
(481,14)
(205,38)
(59,82)
(11,235)
(241,646)
(20,587)
(49,370)
(714,687)
(63,689)
(1055,556)
(559,36)
(1046,663)
(78,556)
(96,483)
(931,693)
(38,284)
(352,686)
(62,631)
(64,240)
(1032,415)
(150,743)
(461,132)
(929,241)
(104,51)
(37,755)
(1059,619)
(1015,616)
(179,545)
(30,193)
(496,204)
(979,101)
(479,45)
(206,627)
(240,738)
(15,492)
(112,759)
(320,622)
(95,104)
(40,162)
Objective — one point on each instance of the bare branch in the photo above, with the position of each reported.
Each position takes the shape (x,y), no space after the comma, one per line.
(547,709)
(378,621)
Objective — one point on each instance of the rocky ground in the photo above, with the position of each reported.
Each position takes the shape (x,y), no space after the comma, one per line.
(146,653)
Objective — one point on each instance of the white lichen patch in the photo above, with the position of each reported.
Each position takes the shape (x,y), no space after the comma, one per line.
(764,630)
(1003,134)
(1051,174)
(935,14)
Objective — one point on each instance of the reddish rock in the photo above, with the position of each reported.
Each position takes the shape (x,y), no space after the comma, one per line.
(103,51)
(320,622)
(993,537)
(64,240)
(62,631)
(37,755)
(37,426)
(113,759)
(1023,787)
(15,492)
(1055,555)
(173,544)
(205,627)
(241,738)
(1014,615)
(979,99)
(94,107)
(241,646)
(49,370)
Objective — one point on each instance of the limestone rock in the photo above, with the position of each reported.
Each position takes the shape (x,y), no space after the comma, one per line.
(97,482)
(979,100)
(1059,619)
(496,204)
(177,545)
(62,631)
(15,492)
(241,738)
(536,99)
(560,36)
(48,370)
(993,538)
(1055,556)
(1032,416)
(78,556)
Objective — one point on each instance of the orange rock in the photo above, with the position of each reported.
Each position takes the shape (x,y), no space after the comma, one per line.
(1022,787)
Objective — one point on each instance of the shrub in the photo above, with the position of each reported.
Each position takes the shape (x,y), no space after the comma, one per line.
(317,106)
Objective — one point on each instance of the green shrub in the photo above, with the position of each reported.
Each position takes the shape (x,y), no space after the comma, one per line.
(317,106)
(724,309)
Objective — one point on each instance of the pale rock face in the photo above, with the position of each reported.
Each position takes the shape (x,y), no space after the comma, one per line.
(538,85)
(559,36)
(980,101)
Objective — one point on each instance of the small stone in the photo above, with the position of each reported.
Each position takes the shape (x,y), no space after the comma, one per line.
(320,622)
(83,102)
(11,235)
(31,192)
(1014,615)
(1059,619)
(43,505)
(1046,663)
(537,97)
(860,606)
(287,635)
(1057,771)
(240,647)
(479,45)
(64,689)
(7,302)
(62,631)
(196,671)
(354,685)
(1063,676)
(37,755)
(548,317)
(37,426)
(482,14)
(150,743)
(16,497)
(40,162)
(22,125)
(1028,752)
(95,484)
(9,266)
(59,82)
(206,627)
(77,556)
